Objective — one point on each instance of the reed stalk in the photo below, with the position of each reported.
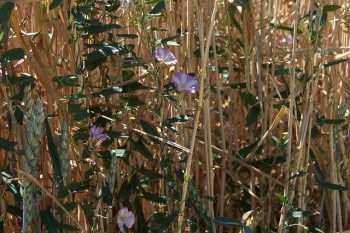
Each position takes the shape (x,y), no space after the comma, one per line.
(203,76)
(287,166)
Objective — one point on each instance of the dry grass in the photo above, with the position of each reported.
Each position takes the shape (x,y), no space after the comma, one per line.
(245,186)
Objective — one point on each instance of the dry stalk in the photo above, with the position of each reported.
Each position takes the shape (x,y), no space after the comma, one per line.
(221,201)
(203,77)
(286,191)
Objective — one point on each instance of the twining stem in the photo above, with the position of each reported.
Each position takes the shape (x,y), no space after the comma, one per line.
(203,76)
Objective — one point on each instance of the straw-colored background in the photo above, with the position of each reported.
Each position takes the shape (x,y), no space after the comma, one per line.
(250,49)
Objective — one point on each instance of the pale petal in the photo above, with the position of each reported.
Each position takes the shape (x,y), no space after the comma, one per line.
(166,56)
(129,220)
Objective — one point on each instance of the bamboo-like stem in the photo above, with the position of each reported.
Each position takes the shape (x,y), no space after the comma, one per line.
(247,27)
(209,154)
(208,142)
(221,201)
(286,191)
(203,76)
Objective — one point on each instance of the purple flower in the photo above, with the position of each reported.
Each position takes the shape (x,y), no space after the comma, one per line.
(164,55)
(125,217)
(185,83)
(97,133)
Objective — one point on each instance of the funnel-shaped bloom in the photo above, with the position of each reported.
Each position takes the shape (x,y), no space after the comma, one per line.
(165,56)
(185,83)
(125,217)
(97,133)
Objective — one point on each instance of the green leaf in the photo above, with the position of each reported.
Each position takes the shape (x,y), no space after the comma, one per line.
(248,98)
(129,36)
(165,41)
(162,221)
(73,108)
(22,80)
(95,29)
(116,134)
(109,48)
(141,222)
(7,145)
(132,87)
(285,28)
(246,150)
(154,197)
(107,91)
(238,85)
(120,153)
(75,96)
(133,184)
(133,102)
(87,152)
(281,198)
(13,54)
(153,1)
(279,69)
(69,206)
(67,80)
(332,63)
(267,164)
(80,116)
(5,14)
(65,227)
(54,4)
(328,8)
(324,121)
(49,220)
(94,59)
(12,184)
(178,119)
(19,115)
(148,128)
(143,150)
(150,174)
(14,210)
(81,136)
(74,187)
(124,191)
(55,159)
(227,221)
(252,115)
(89,211)
(157,9)
(242,3)
(107,196)
(298,174)
(328,185)
(301,213)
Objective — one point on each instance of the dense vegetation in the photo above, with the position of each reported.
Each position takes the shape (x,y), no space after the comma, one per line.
(174,116)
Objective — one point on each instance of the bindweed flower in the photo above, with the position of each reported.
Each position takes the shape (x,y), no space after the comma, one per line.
(185,83)
(165,56)
(97,133)
(125,217)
